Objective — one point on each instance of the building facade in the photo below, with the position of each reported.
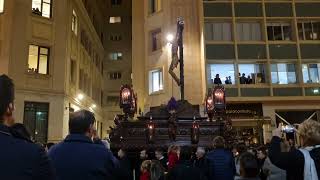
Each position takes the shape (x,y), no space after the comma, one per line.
(54,51)
(117,61)
(266,53)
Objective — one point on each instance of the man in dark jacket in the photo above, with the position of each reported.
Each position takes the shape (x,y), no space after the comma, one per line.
(200,161)
(125,165)
(184,169)
(220,161)
(248,167)
(77,157)
(19,158)
(160,157)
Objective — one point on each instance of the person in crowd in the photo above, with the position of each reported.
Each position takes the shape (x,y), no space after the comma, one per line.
(292,145)
(220,161)
(77,157)
(160,156)
(261,157)
(142,157)
(156,170)
(268,170)
(18,130)
(227,81)
(184,169)
(200,161)
(243,79)
(240,149)
(248,167)
(173,156)
(125,166)
(145,170)
(19,158)
(303,163)
(230,81)
(249,80)
(217,80)
(106,143)
(49,145)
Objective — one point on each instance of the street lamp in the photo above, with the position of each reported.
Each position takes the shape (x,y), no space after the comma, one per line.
(170,38)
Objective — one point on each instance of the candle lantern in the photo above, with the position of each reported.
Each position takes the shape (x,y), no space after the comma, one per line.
(209,106)
(128,101)
(195,132)
(150,132)
(219,99)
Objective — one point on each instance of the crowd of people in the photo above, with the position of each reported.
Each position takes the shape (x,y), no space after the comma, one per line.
(83,156)
(242,79)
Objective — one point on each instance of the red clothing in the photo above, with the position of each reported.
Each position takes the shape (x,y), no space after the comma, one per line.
(172,159)
(145,175)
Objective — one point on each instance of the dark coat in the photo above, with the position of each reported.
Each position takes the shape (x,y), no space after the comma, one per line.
(217,81)
(184,170)
(21,159)
(293,161)
(125,168)
(77,157)
(164,162)
(221,165)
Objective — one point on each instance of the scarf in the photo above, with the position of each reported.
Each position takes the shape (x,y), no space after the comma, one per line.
(310,171)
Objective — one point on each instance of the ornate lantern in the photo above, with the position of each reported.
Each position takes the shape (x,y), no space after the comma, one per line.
(150,131)
(128,101)
(195,132)
(216,102)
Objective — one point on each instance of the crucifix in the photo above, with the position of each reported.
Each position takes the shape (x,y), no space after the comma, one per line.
(177,56)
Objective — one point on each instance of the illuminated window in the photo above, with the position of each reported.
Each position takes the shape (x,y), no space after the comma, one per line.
(1,6)
(283,74)
(154,6)
(38,61)
(42,8)
(116,56)
(311,73)
(155,81)
(224,71)
(114,20)
(74,25)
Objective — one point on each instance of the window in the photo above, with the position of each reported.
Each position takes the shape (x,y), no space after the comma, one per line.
(224,71)
(115,38)
(1,6)
(283,74)
(73,72)
(112,100)
(279,31)
(309,30)
(114,75)
(311,73)
(114,20)
(154,6)
(38,61)
(156,37)
(36,120)
(249,31)
(74,25)
(216,31)
(42,8)
(155,81)
(115,2)
(253,73)
(116,56)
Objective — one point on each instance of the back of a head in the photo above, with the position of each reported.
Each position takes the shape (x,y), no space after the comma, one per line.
(81,121)
(248,166)
(21,131)
(159,150)
(6,94)
(185,153)
(218,142)
(156,170)
(309,130)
